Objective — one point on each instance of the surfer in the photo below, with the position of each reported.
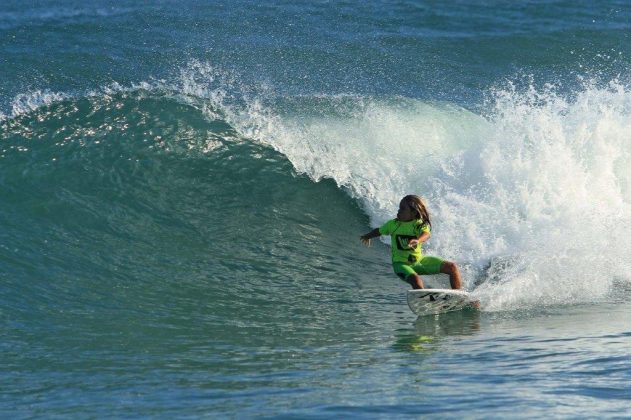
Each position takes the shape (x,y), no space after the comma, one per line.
(408,231)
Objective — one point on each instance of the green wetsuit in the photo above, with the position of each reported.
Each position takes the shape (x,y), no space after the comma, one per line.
(405,259)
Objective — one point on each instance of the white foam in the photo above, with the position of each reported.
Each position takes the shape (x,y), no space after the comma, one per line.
(555,198)
(28,102)
(532,198)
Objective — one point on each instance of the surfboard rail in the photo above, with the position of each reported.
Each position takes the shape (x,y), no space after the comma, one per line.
(434,301)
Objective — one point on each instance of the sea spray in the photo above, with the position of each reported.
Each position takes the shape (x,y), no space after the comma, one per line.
(530,196)
(549,203)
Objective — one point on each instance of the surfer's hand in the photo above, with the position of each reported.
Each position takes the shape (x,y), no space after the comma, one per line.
(367,237)
(412,243)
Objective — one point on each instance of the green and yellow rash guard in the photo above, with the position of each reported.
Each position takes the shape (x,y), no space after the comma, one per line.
(402,232)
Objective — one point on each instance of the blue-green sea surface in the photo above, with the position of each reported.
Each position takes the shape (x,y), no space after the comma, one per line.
(183,186)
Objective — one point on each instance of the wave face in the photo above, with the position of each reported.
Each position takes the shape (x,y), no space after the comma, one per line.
(522,194)
(127,198)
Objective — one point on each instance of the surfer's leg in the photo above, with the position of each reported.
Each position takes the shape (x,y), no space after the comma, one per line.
(415,280)
(450,268)
(407,274)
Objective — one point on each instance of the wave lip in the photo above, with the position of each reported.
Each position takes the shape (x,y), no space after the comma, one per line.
(527,196)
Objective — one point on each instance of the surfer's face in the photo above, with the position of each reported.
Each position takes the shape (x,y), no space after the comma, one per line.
(405,213)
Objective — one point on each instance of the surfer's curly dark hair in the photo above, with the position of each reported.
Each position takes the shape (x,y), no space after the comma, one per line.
(417,204)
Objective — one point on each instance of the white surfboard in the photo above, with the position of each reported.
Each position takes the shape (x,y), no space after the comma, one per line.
(436,301)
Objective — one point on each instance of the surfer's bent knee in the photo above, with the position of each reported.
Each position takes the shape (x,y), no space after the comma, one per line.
(415,281)
(448,267)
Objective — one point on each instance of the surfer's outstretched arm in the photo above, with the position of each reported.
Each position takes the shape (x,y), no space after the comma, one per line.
(370,235)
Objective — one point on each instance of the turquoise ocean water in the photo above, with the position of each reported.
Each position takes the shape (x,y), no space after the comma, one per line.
(183,186)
